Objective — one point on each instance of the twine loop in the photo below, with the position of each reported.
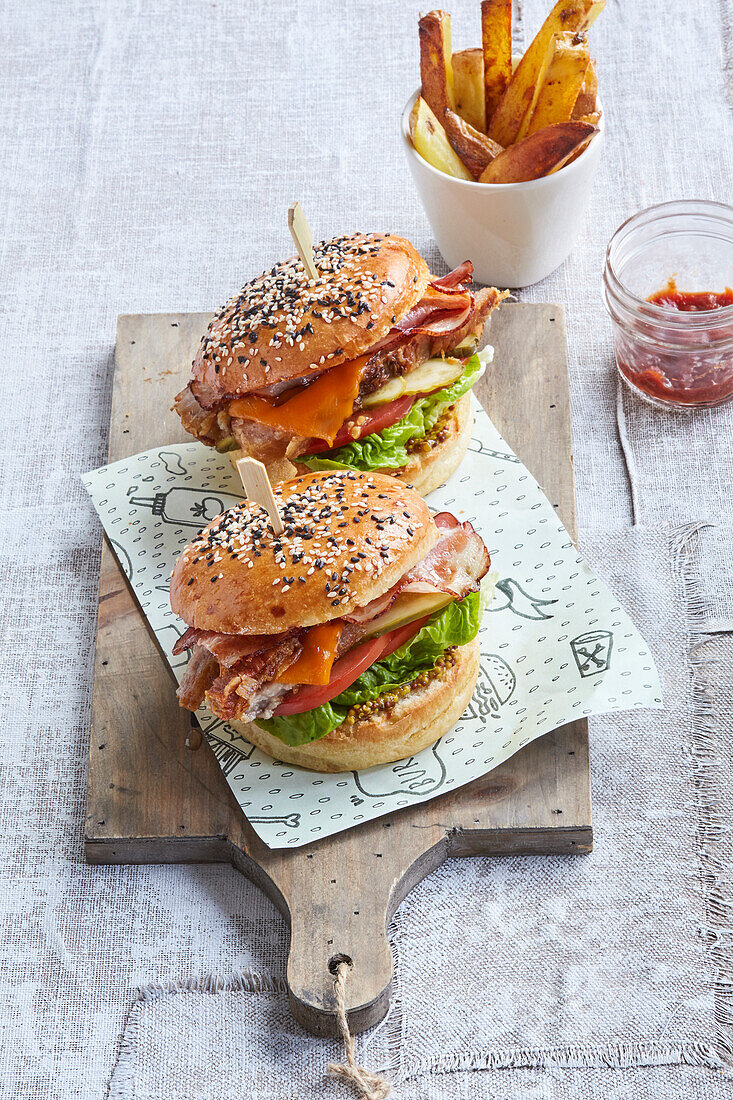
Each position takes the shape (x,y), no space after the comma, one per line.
(370,1086)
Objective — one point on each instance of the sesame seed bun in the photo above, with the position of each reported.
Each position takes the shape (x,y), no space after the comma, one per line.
(282,326)
(350,536)
(416,721)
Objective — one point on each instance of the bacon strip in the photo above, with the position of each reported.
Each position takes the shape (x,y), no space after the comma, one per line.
(227,648)
(199,676)
(454,278)
(232,693)
(455,565)
(195,418)
(439,311)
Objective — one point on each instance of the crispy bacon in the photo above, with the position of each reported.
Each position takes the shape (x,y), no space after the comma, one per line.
(202,670)
(233,692)
(409,351)
(196,419)
(227,648)
(461,274)
(437,312)
(190,638)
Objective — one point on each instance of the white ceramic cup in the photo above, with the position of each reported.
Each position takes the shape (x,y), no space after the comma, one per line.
(514,233)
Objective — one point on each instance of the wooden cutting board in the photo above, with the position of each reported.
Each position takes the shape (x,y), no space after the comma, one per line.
(156,792)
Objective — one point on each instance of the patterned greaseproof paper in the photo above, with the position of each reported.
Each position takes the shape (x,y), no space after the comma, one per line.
(555,644)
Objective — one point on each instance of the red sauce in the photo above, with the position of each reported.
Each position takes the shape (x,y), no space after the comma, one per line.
(679,369)
(690,301)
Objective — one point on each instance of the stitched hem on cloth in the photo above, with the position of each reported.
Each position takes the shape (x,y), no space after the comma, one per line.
(122,1079)
(705,759)
(573,1056)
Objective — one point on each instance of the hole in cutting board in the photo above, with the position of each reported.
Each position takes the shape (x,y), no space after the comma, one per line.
(335,961)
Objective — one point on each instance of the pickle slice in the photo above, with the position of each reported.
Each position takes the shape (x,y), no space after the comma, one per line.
(433,374)
(406,609)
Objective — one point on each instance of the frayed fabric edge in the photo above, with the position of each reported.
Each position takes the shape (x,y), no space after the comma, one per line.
(245,981)
(122,1078)
(705,760)
(573,1056)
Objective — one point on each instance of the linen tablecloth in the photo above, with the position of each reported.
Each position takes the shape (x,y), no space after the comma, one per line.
(150,152)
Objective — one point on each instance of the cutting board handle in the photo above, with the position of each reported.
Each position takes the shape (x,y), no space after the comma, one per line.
(338,907)
(319,940)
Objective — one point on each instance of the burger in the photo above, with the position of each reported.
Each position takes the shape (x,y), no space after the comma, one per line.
(348,640)
(367,367)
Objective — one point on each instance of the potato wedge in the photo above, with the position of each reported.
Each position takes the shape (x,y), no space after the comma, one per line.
(436,62)
(539,154)
(593,118)
(431,142)
(474,148)
(563,79)
(590,120)
(520,97)
(468,87)
(585,104)
(496,40)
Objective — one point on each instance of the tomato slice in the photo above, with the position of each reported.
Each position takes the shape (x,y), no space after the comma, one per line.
(347,669)
(383,417)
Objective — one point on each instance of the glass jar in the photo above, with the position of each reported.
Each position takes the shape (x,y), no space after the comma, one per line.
(678,358)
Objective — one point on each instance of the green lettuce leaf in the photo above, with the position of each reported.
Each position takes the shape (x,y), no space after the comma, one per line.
(455,624)
(386,450)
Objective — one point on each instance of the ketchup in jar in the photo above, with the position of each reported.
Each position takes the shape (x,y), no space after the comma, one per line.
(674,347)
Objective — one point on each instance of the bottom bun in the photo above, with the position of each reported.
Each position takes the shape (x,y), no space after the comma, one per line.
(431,469)
(416,721)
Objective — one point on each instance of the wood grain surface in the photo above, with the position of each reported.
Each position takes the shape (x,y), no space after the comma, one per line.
(156,792)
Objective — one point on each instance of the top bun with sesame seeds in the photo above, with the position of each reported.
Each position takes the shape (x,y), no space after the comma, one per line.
(348,538)
(282,325)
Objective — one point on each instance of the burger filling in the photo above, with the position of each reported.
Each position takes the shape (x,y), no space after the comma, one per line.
(402,384)
(304,684)
(384,437)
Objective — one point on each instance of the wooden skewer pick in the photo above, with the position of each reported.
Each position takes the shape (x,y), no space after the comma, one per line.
(257,487)
(303,237)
